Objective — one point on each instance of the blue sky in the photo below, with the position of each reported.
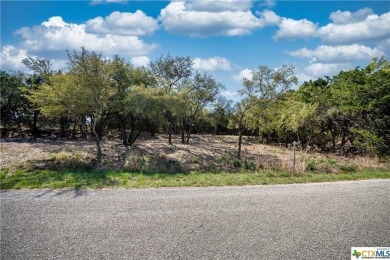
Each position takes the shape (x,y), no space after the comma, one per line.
(227,38)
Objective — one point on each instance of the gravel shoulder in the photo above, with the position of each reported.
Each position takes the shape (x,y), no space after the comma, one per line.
(298,221)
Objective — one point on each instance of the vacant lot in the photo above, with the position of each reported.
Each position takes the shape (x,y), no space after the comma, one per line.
(151,162)
(203,153)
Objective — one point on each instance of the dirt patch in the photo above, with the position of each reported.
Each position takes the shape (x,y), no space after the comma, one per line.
(203,153)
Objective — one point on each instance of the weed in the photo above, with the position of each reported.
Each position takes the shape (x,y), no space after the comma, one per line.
(348,168)
(332,161)
(311,165)
(249,165)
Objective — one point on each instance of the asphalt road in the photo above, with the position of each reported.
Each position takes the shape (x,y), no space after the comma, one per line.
(303,221)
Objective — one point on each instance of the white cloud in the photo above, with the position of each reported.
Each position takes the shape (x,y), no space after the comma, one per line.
(302,77)
(269,17)
(218,6)
(57,35)
(354,30)
(317,70)
(220,19)
(268,3)
(137,23)
(54,21)
(96,2)
(212,64)
(245,73)
(292,29)
(340,17)
(384,45)
(230,94)
(140,61)
(331,54)
(11,58)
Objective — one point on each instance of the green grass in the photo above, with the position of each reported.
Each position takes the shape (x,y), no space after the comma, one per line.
(99,179)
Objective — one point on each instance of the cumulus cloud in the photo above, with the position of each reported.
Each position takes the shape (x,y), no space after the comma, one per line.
(345,17)
(331,54)
(137,23)
(268,3)
(317,70)
(212,64)
(288,28)
(362,27)
(269,17)
(245,73)
(96,2)
(218,6)
(57,35)
(292,29)
(384,45)
(228,94)
(140,61)
(11,58)
(208,18)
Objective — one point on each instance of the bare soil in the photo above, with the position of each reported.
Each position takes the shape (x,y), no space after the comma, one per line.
(153,154)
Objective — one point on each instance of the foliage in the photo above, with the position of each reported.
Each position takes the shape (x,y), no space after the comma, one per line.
(347,114)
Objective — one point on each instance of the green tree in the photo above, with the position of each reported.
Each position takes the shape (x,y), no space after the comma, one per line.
(12,102)
(41,71)
(171,75)
(90,71)
(200,92)
(265,86)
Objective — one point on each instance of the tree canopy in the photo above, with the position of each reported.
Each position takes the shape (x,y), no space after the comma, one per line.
(347,114)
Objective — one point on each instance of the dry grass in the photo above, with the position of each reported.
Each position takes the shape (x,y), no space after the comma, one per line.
(203,153)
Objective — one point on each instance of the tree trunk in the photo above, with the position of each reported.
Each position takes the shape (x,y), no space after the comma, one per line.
(170,137)
(133,132)
(34,129)
(98,148)
(152,128)
(240,131)
(63,126)
(183,140)
(122,124)
(188,134)
(97,142)
(74,130)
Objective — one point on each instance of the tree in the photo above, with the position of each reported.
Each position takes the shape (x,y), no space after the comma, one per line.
(365,114)
(62,99)
(12,102)
(41,69)
(91,74)
(238,118)
(171,73)
(265,86)
(219,115)
(200,92)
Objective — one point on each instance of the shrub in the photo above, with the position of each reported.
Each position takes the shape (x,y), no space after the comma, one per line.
(348,167)
(249,165)
(311,165)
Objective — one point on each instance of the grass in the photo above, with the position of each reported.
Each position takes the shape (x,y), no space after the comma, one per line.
(57,179)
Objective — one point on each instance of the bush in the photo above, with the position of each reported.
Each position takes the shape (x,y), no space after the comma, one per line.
(249,165)
(311,165)
(348,168)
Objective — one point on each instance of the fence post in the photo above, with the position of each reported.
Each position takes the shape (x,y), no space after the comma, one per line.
(293,160)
